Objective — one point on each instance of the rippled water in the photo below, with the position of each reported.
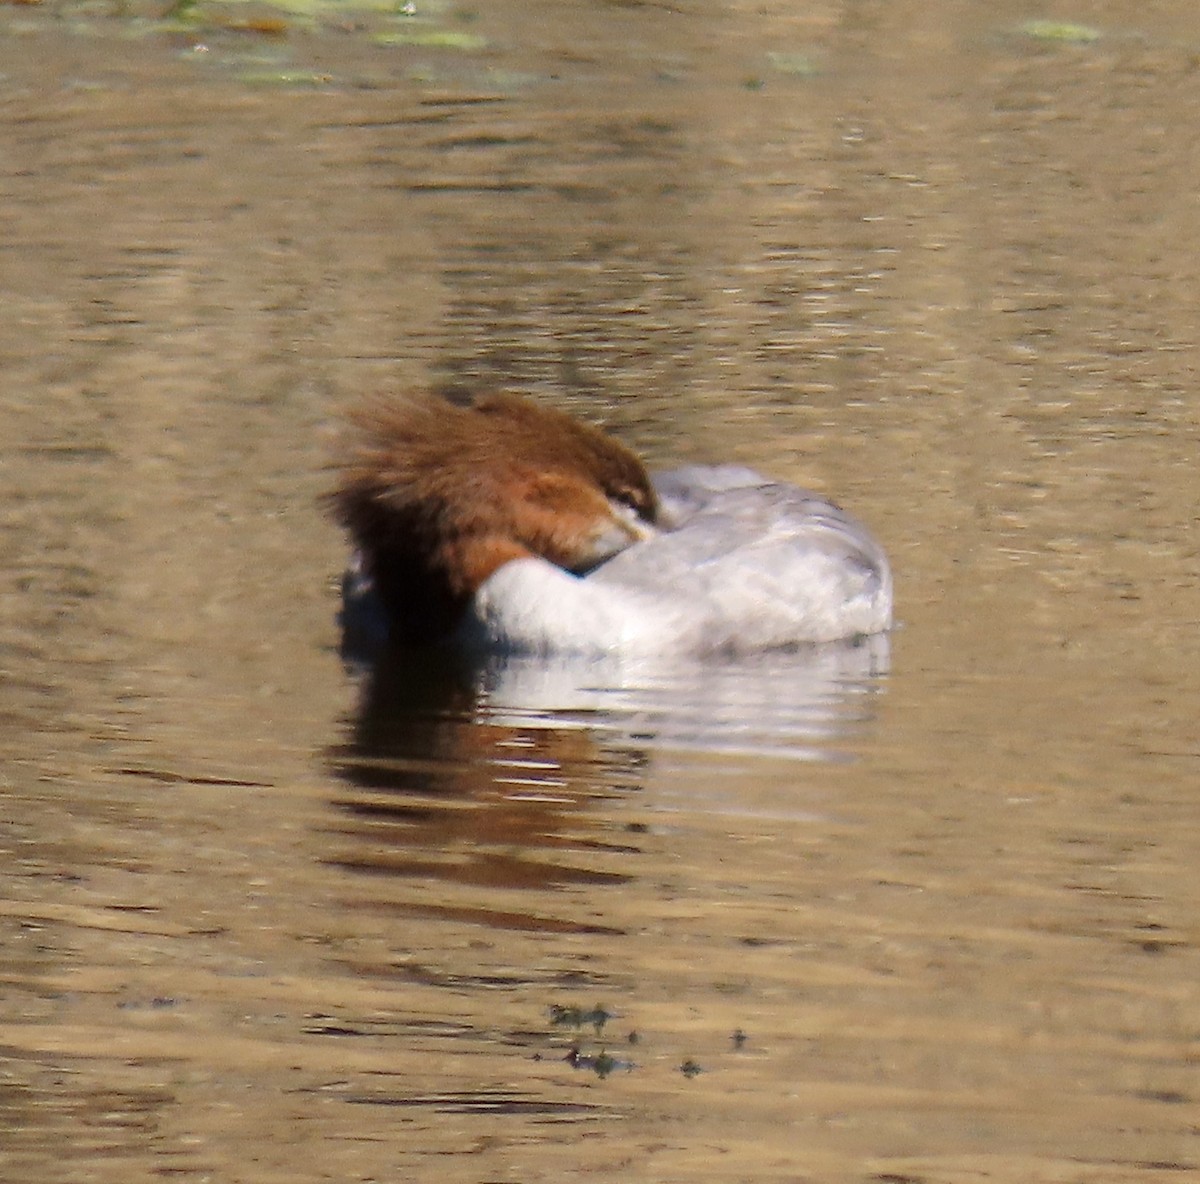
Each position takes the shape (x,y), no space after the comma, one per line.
(925,912)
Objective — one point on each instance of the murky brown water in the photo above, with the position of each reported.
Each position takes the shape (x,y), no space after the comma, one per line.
(261,922)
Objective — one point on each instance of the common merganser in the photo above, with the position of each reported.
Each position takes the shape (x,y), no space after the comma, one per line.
(504,526)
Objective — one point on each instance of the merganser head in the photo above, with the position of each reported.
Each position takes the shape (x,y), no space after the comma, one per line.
(438,496)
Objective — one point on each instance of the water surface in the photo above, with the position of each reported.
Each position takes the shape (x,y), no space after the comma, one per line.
(267,919)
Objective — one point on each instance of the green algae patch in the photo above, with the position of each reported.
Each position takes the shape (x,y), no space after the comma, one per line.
(432,39)
(399,21)
(316,11)
(1063,32)
(308,79)
(285,44)
(799,65)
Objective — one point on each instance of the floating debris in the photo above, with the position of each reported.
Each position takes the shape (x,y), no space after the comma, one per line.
(578,1017)
(601,1063)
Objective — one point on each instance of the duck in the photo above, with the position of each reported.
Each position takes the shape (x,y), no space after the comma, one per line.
(503,525)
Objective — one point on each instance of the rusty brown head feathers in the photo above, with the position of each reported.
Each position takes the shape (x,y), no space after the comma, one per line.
(438,495)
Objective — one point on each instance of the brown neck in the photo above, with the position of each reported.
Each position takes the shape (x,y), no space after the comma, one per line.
(476,557)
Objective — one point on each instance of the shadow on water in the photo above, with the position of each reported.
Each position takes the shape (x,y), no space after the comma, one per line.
(487,774)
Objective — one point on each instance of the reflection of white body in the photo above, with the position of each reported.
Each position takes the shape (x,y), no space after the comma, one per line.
(798,703)
(743,564)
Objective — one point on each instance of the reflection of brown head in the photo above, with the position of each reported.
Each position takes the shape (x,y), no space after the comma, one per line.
(438,496)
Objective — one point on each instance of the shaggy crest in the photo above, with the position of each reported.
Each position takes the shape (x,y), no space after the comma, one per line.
(437,496)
